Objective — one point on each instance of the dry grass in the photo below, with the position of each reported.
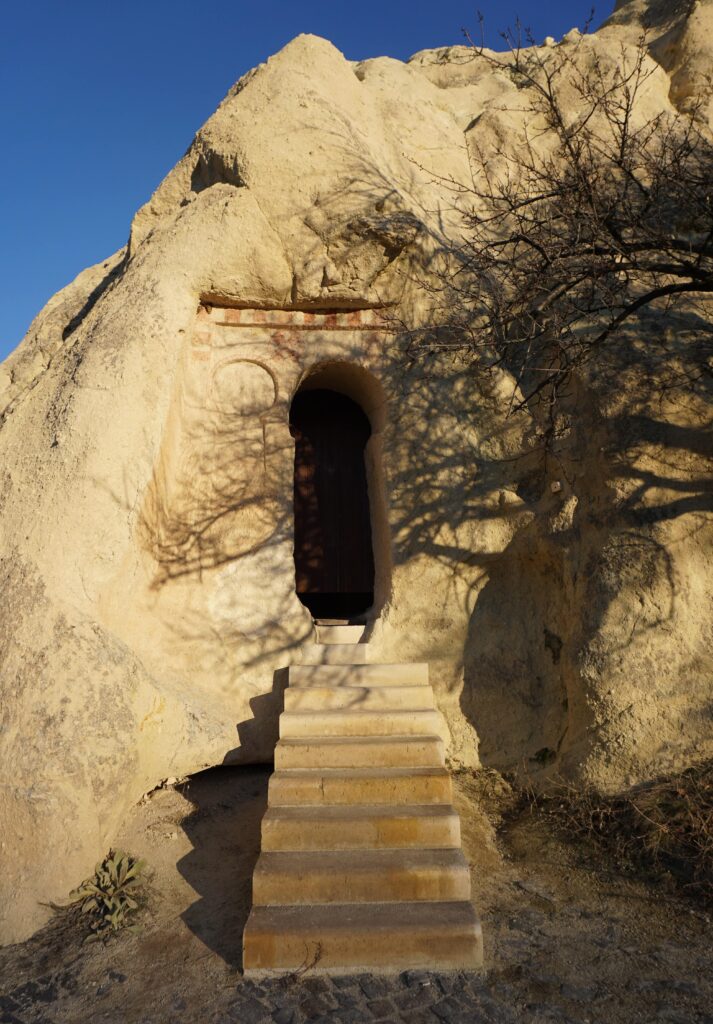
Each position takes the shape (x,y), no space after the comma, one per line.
(662,829)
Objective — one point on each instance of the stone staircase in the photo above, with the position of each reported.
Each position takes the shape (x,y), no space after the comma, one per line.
(361,866)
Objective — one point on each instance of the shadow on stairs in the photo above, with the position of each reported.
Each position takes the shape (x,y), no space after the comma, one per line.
(361,865)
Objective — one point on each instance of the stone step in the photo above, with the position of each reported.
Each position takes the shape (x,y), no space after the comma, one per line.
(361,866)
(360,828)
(379,937)
(361,752)
(359,698)
(360,723)
(338,634)
(399,674)
(291,787)
(359,876)
(334,654)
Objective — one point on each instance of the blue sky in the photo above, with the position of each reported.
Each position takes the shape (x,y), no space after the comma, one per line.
(100,100)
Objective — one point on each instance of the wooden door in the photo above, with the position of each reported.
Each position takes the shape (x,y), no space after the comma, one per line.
(334,562)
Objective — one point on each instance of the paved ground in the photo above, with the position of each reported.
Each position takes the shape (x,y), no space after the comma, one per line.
(566,939)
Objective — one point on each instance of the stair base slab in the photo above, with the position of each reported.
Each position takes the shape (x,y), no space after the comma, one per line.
(349,938)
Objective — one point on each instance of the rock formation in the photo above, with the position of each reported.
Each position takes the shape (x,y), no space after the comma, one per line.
(146,471)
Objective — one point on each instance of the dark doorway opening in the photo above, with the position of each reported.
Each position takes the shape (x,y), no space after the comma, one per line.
(334,560)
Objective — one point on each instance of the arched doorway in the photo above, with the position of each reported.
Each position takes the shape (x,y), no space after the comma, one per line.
(334,560)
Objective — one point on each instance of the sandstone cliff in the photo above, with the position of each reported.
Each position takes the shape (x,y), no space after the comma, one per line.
(564,612)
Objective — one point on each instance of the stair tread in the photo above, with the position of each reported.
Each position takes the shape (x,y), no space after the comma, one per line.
(366,740)
(387,673)
(344,643)
(312,753)
(404,916)
(361,773)
(408,666)
(335,654)
(338,633)
(371,712)
(371,667)
(384,874)
(358,695)
(360,861)
(347,812)
(360,687)
(351,722)
(341,687)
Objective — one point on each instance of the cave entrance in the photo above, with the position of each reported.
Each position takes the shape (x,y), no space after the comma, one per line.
(334,560)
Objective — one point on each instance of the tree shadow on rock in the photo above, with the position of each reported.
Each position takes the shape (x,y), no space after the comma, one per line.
(584,620)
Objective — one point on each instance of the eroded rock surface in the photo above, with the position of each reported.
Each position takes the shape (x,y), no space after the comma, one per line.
(145,539)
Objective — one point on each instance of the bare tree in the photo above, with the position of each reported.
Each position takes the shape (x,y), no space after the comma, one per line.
(592,215)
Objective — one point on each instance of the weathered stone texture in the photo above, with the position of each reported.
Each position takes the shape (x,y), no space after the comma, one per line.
(145,539)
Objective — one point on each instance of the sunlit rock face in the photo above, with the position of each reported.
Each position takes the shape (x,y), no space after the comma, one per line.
(146,538)
(680,38)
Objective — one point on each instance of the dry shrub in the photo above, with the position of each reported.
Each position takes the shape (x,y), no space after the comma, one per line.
(489,790)
(663,829)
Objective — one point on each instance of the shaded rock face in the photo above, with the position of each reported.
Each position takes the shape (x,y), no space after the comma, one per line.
(146,480)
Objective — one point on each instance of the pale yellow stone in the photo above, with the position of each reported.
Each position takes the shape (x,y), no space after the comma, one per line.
(352,937)
(374,876)
(339,634)
(334,654)
(360,827)
(361,752)
(358,698)
(296,787)
(354,722)
(359,675)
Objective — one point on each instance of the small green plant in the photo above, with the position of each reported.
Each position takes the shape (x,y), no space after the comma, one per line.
(110,896)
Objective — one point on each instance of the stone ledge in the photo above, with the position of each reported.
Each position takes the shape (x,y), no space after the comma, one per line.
(346,320)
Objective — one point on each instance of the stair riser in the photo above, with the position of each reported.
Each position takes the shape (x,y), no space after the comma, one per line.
(308,724)
(359,698)
(358,675)
(428,753)
(339,634)
(323,790)
(275,888)
(362,834)
(334,654)
(270,951)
